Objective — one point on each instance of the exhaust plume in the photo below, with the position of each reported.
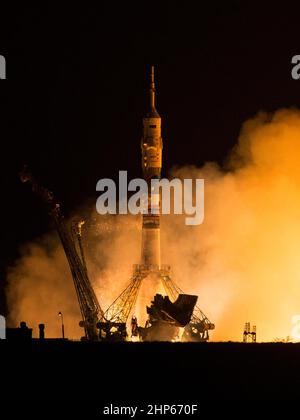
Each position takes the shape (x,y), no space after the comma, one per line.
(243,261)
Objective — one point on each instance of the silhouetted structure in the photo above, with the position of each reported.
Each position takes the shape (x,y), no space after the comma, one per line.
(248,335)
(166,317)
(22,333)
(41,331)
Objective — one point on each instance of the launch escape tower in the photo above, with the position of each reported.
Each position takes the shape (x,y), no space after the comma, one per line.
(117,315)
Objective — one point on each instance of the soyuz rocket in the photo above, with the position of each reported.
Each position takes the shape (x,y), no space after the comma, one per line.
(151,145)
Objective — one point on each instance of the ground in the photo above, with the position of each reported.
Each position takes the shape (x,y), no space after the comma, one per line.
(149,372)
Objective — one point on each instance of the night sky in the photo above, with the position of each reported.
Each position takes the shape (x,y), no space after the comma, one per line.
(76,92)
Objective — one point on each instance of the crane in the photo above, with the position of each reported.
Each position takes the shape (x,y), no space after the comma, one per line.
(89,306)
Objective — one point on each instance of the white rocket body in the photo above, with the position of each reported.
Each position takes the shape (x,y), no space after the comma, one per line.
(151,146)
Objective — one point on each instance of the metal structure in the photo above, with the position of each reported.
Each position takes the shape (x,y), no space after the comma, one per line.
(117,314)
(113,325)
(248,335)
(166,318)
(89,306)
(198,328)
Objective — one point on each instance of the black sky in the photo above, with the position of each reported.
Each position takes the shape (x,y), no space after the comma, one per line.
(76,91)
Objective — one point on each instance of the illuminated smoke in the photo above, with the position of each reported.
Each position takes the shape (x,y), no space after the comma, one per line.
(39,287)
(40,283)
(243,262)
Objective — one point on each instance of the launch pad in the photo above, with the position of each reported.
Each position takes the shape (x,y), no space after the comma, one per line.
(112,324)
(117,315)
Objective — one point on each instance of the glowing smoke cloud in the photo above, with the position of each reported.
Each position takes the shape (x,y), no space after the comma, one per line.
(243,261)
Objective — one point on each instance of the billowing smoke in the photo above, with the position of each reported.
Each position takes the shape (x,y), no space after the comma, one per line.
(40,283)
(243,261)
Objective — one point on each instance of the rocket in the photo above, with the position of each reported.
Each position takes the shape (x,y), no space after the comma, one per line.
(151,145)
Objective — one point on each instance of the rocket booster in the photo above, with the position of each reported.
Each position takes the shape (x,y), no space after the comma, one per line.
(151,146)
